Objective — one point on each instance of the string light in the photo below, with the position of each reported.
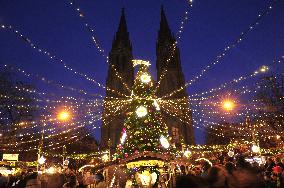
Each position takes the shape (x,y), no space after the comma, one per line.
(174,45)
(226,49)
(51,82)
(57,60)
(95,40)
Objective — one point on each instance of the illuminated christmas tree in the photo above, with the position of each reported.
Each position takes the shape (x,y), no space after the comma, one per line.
(144,129)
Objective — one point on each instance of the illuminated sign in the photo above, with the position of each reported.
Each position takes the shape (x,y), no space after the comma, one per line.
(11,157)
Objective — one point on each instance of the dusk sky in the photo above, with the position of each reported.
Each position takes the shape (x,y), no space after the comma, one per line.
(212,25)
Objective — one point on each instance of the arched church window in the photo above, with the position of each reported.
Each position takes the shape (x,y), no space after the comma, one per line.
(175,133)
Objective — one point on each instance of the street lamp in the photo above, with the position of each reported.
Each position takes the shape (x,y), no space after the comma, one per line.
(63,116)
(228,105)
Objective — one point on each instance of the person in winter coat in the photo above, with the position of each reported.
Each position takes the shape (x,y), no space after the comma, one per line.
(33,181)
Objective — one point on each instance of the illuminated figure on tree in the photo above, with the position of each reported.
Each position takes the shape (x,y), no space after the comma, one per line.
(144,129)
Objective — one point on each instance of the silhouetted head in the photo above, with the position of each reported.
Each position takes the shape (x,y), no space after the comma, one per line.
(230,167)
(33,175)
(190,181)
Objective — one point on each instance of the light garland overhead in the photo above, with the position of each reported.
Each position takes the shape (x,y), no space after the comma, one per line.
(95,40)
(174,45)
(56,59)
(227,49)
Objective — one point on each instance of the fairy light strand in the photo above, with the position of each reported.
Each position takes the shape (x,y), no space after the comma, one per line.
(226,49)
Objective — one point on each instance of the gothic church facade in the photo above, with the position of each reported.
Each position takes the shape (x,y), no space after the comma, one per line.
(120,60)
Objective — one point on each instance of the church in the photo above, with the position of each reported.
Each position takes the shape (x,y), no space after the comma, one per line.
(120,61)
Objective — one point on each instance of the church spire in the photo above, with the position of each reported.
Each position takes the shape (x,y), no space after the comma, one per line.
(122,33)
(120,73)
(164,26)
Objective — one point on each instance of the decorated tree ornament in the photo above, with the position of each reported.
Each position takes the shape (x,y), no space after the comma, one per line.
(141,111)
(231,153)
(156,105)
(255,149)
(187,153)
(164,142)
(145,78)
(144,126)
(41,160)
(123,137)
(140,62)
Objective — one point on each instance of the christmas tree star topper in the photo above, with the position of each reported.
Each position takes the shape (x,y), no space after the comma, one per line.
(140,62)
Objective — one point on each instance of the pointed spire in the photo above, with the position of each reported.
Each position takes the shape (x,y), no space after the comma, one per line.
(164,26)
(122,36)
(122,28)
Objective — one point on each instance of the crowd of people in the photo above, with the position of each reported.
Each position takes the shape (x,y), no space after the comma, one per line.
(232,174)
(235,174)
(66,179)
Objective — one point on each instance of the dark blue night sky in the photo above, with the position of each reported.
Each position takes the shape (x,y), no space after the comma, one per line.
(212,25)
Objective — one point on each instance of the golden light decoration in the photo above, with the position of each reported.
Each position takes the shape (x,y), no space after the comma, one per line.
(204,159)
(263,68)
(147,179)
(140,62)
(41,160)
(66,162)
(136,164)
(141,111)
(123,137)
(164,142)
(156,105)
(105,158)
(187,153)
(145,78)
(231,153)
(63,116)
(277,137)
(228,105)
(255,149)
(51,170)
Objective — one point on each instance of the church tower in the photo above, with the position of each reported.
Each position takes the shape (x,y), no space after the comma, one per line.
(172,80)
(120,60)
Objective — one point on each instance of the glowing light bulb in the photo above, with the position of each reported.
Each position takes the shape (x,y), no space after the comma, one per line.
(105,158)
(123,137)
(164,142)
(264,68)
(145,78)
(63,116)
(231,153)
(228,105)
(187,153)
(41,160)
(141,111)
(156,105)
(255,149)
